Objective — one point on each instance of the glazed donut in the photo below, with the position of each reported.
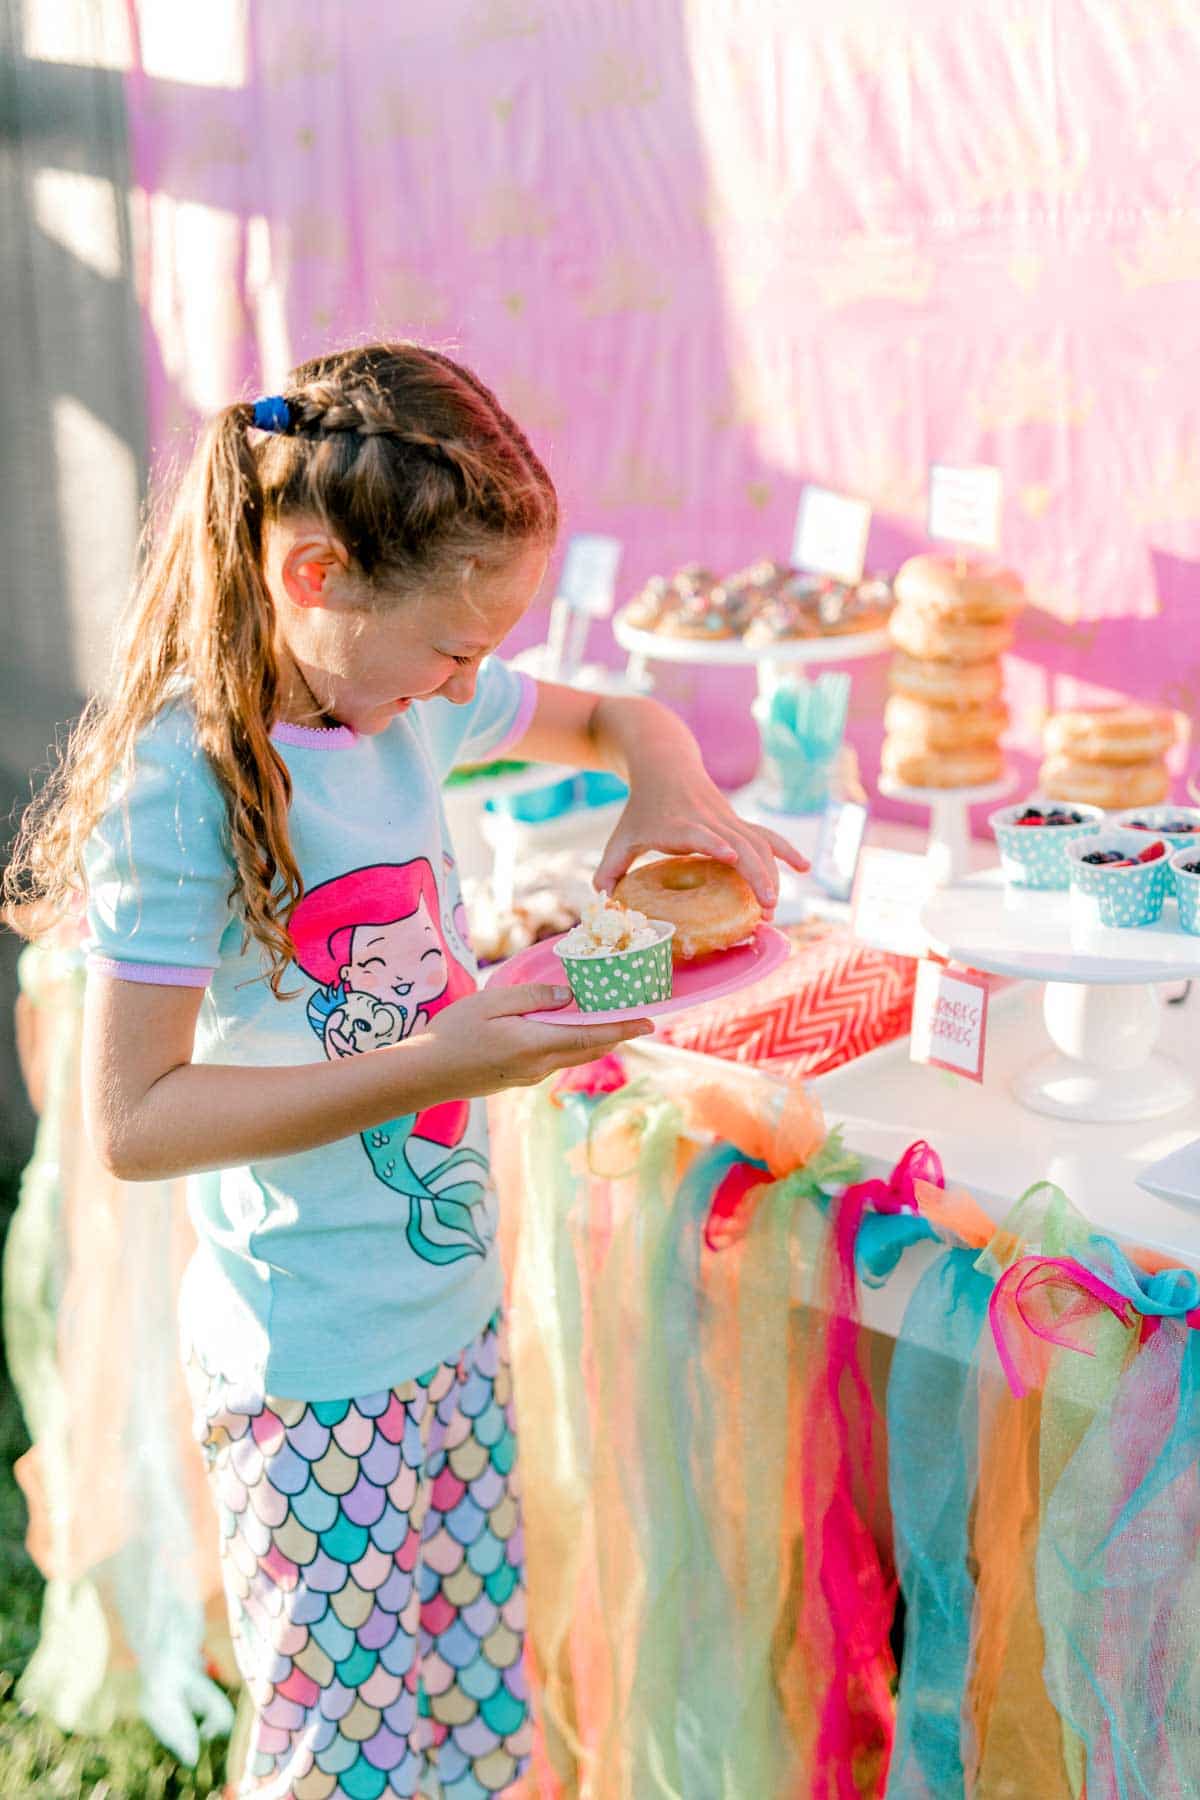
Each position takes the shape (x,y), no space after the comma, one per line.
(928,727)
(915,767)
(710,905)
(946,684)
(1111,734)
(926,634)
(1113,786)
(977,593)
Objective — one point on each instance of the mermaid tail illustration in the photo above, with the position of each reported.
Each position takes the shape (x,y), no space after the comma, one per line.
(441,1226)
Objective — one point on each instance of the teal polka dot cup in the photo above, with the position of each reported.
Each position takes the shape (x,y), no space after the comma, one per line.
(1035,856)
(1187,887)
(1127,896)
(622,978)
(1156,820)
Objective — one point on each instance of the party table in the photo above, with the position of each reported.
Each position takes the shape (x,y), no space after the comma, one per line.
(781,1363)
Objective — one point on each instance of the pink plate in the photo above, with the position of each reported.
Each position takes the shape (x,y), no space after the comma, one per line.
(694,982)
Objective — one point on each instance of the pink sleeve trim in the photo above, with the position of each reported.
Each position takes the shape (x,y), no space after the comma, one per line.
(155,974)
(525,711)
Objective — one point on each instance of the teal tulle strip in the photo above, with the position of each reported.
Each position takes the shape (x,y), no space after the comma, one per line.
(932,1464)
(1118,1572)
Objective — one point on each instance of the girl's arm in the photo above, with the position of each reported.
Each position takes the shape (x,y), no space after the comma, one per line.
(672,803)
(152,1113)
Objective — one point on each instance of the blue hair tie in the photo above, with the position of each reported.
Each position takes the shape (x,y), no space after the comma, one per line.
(272,413)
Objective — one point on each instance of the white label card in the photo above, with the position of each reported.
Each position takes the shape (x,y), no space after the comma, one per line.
(949,1021)
(964,505)
(831,534)
(839,842)
(890,889)
(588,579)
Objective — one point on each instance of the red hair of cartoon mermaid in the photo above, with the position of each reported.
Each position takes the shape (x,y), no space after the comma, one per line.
(324,924)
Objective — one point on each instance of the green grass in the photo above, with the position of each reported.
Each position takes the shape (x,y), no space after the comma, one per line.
(37,1761)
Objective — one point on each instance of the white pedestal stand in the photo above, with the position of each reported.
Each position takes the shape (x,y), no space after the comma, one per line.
(948,853)
(1101,1005)
(769,661)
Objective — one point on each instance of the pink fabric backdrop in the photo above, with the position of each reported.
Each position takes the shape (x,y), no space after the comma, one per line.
(707,252)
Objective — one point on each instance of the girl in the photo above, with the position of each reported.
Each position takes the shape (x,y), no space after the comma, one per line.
(308,653)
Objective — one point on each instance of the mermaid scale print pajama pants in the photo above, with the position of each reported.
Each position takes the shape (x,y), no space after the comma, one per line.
(373,1560)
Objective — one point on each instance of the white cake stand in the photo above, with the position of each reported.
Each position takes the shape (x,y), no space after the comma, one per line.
(949,847)
(733,652)
(1101,1005)
(769,660)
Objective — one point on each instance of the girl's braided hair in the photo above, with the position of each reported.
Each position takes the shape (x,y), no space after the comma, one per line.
(412,464)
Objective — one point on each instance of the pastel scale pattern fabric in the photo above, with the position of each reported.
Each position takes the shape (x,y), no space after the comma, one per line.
(373,1558)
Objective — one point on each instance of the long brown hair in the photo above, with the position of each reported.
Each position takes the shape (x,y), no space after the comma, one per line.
(412,464)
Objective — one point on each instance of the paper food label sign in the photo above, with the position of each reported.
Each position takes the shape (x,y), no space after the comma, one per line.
(890,889)
(839,842)
(831,534)
(964,505)
(588,580)
(949,1022)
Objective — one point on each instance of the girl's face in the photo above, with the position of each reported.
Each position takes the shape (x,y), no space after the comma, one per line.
(364,664)
(402,963)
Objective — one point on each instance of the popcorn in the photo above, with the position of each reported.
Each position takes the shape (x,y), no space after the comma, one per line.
(606,927)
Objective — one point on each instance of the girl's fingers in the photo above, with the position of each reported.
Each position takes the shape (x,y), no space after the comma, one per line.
(787,853)
(686,840)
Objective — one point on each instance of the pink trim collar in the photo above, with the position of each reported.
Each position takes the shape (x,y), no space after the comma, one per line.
(313,737)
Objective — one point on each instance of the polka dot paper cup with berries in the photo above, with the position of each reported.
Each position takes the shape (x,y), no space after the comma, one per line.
(1179,826)
(1119,876)
(622,978)
(1185,873)
(1032,839)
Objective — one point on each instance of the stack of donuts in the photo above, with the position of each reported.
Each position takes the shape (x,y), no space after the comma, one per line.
(1109,756)
(952,622)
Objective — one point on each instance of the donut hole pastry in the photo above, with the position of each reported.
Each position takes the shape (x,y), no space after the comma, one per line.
(710,905)
(931,727)
(1113,786)
(960,685)
(1110,734)
(914,766)
(930,637)
(981,592)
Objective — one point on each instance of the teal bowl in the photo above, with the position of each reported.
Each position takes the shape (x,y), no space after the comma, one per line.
(1156,819)
(1035,856)
(1120,897)
(1187,888)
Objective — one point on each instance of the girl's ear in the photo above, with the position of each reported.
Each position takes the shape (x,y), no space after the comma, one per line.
(307,565)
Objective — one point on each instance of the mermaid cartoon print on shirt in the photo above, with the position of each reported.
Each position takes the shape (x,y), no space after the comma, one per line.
(373,942)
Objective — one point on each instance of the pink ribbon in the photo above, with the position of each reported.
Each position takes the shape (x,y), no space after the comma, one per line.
(898,1193)
(849,1598)
(1044,1302)
(604,1076)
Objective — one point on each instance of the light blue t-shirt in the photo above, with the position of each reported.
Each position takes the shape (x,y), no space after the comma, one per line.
(343,1270)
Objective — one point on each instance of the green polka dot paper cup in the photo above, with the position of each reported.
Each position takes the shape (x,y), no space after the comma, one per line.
(1155,821)
(1035,856)
(622,978)
(1187,887)
(1116,896)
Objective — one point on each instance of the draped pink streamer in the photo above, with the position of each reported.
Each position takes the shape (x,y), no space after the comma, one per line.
(1051,1298)
(847,1609)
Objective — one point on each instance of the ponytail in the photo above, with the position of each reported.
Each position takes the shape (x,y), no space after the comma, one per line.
(202,622)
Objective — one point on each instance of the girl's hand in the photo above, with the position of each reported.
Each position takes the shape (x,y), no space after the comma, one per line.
(485,1044)
(683,812)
